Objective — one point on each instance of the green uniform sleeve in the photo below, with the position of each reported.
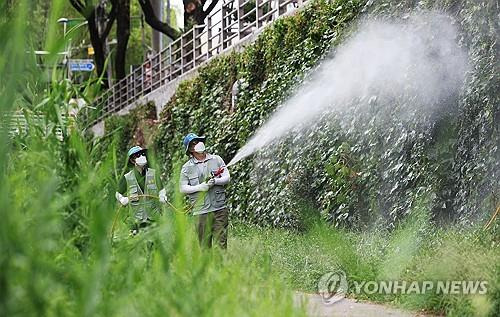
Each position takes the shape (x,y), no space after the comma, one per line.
(122,186)
(159,183)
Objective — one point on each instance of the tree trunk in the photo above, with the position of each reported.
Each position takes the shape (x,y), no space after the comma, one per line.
(99,25)
(122,37)
(99,50)
(157,35)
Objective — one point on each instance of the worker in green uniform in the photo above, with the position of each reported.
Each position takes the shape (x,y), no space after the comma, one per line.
(141,190)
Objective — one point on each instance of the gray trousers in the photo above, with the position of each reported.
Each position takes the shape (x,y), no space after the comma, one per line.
(213,226)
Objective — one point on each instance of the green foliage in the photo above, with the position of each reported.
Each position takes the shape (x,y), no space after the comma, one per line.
(51,268)
(358,167)
(41,21)
(415,251)
(123,132)
(270,68)
(57,257)
(57,207)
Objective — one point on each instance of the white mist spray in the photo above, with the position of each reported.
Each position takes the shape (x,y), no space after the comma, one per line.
(419,57)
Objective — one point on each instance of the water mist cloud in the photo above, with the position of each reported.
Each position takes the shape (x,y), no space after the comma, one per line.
(418,57)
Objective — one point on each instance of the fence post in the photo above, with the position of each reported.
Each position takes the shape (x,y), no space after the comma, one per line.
(193,43)
(209,36)
(223,25)
(239,14)
(161,66)
(134,79)
(170,61)
(143,79)
(130,91)
(158,69)
(182,54)
(258,13)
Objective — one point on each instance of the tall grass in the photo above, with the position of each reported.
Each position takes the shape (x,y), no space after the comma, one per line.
(51,268)
(416,250)
(57,207)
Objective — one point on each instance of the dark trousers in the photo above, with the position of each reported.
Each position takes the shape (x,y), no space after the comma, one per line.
(213,226)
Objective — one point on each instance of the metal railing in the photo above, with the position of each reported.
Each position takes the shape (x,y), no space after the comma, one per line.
(16,124)
(227,25)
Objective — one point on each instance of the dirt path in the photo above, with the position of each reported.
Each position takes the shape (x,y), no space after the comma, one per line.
(349,307)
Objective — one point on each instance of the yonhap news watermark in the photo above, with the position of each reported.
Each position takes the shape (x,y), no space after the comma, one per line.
(333,286)
(421,287)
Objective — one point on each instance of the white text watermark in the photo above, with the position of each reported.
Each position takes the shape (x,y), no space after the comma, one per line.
(333,286)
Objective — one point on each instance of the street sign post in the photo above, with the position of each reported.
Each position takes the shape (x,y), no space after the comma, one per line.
(81,65)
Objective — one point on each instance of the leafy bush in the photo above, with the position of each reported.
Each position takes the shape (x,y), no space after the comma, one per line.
(123,132)
(270,68)
(349,165)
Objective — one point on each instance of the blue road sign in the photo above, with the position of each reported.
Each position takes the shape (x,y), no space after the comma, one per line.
(81,65)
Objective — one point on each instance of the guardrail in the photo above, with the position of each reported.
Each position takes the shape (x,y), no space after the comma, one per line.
(227,25)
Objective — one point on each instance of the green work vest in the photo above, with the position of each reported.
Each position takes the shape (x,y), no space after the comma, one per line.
(142,206)
(215,198)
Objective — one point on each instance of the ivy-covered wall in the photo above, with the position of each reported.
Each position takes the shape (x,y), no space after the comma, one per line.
(353,170)
(122,132)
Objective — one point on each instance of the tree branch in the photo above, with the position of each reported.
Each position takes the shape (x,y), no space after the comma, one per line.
(155,23)
(78,5)
(210,8)
(111,20)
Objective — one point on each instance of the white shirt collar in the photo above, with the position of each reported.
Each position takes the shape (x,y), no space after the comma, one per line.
(208,157)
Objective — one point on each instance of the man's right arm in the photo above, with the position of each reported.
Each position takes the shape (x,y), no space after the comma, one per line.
(185,188)
(224,178)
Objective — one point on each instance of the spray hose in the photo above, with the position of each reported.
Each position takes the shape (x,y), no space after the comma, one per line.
(215,174)
(486,227)
(148,196)
(167,202)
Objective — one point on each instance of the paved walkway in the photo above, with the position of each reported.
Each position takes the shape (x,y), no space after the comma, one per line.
(349,307)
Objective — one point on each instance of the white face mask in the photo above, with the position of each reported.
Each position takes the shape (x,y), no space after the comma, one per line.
(141,161)
(199,147)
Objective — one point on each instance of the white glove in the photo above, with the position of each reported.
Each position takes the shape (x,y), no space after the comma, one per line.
(211,182)
(122,199)
(162,195)
(203,187)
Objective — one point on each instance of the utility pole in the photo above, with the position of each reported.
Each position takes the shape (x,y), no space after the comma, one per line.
(67,48)
(168,22)
(143,38)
